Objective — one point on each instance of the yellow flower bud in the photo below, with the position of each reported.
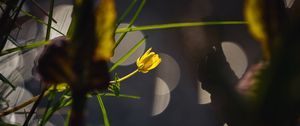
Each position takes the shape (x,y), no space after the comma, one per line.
(148,61)
(60,87)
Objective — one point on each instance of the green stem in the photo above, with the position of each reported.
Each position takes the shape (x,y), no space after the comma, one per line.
(137,13)
(104,113)
(50,20)
(48,107)
(126,12)
(68,118)
(126,77)
(129,53)
(177,25)
(135,16)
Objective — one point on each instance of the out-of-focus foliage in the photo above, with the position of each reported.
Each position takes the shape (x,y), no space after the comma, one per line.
(105,25)
(80,57)
(254,15)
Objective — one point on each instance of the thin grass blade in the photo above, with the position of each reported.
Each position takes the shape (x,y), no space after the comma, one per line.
(40,21)
(135,16)
(126,12)
(103,110)
(178,25)
(24,47)
(6,81)
(129,53)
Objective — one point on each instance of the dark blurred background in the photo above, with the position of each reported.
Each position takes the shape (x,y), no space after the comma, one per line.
(171,95)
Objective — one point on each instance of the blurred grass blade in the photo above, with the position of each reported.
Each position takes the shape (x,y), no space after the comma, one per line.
(43,10)
(49,105)
(24,47)
(53,108)
(71,28)
(50,17)
(68,118)
(103,109)
(135,16)
(178,25)
(40,21)
(5,80)
(126,12)
(129,53)
(13,40)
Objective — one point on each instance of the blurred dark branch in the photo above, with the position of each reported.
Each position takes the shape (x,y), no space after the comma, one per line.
(277,102)
(83,44)
(280,106)
(34,107)
(218,78)
(6,21)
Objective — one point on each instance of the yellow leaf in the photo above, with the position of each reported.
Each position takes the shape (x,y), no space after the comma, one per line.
(105,26)
(255,17)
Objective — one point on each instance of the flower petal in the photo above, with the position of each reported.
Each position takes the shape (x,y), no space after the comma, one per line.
(148,61)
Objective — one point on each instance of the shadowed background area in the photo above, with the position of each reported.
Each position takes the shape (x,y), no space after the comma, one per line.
(172,94)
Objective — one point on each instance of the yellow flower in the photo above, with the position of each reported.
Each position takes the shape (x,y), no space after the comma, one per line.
(60,87)
(148,61)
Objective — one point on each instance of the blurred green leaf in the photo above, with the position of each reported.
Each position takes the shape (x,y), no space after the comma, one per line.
(24,47)
(68,118)
(51,99)
(62,102)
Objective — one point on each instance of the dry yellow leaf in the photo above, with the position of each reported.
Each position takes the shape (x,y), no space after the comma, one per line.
(255,17)
(105,26)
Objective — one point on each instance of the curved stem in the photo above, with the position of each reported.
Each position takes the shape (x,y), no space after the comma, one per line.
(125,77)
